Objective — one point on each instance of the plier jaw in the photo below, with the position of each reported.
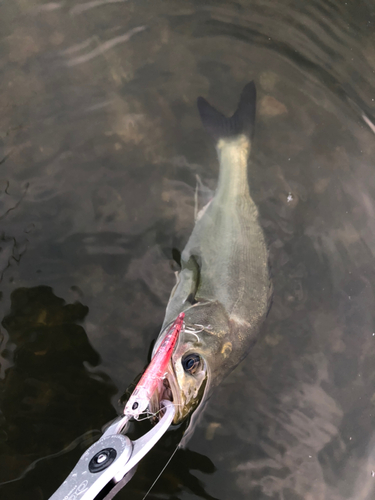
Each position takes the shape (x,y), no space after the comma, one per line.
(110,463)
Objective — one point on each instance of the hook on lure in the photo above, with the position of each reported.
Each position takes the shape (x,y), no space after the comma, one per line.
(141,396)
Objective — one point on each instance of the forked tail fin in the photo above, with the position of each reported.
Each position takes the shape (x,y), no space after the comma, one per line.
(242,122)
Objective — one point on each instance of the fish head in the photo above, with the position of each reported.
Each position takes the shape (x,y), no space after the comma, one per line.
(198,363)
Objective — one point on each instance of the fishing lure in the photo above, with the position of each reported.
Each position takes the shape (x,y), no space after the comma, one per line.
(141,396)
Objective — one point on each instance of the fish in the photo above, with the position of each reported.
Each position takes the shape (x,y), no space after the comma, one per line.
(224,286)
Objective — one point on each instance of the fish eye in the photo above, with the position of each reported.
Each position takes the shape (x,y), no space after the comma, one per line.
(191,363)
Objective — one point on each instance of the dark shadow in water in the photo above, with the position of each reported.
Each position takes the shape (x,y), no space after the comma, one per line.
(53,407)
(48,394)
(174,466)
(175,479)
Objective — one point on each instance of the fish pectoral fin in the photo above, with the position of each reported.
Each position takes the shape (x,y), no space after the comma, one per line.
(191,299)
(193,266)
(187,282)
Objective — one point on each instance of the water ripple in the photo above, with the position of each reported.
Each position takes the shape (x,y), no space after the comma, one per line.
(103,47)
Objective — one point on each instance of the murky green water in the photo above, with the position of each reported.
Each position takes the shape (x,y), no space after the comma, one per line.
(100,143)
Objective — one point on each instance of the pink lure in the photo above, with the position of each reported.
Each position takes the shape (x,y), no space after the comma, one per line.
(140,399)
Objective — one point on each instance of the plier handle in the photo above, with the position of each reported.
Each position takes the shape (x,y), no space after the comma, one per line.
(110,463)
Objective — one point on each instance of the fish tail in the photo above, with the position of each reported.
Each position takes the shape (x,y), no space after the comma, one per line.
(241,123)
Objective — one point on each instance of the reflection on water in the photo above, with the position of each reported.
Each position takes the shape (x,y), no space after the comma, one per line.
(100,148)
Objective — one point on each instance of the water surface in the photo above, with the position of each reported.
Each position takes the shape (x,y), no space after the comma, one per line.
(100,145)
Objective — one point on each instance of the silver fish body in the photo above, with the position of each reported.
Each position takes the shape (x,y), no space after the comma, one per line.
(224,286)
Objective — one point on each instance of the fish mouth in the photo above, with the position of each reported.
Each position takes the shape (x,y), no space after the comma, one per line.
(167,390)
(184,401)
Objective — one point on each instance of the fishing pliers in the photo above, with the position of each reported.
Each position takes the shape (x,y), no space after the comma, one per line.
(111,462)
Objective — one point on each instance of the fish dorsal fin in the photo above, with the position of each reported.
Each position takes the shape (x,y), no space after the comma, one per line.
(242,121)
(203,197)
